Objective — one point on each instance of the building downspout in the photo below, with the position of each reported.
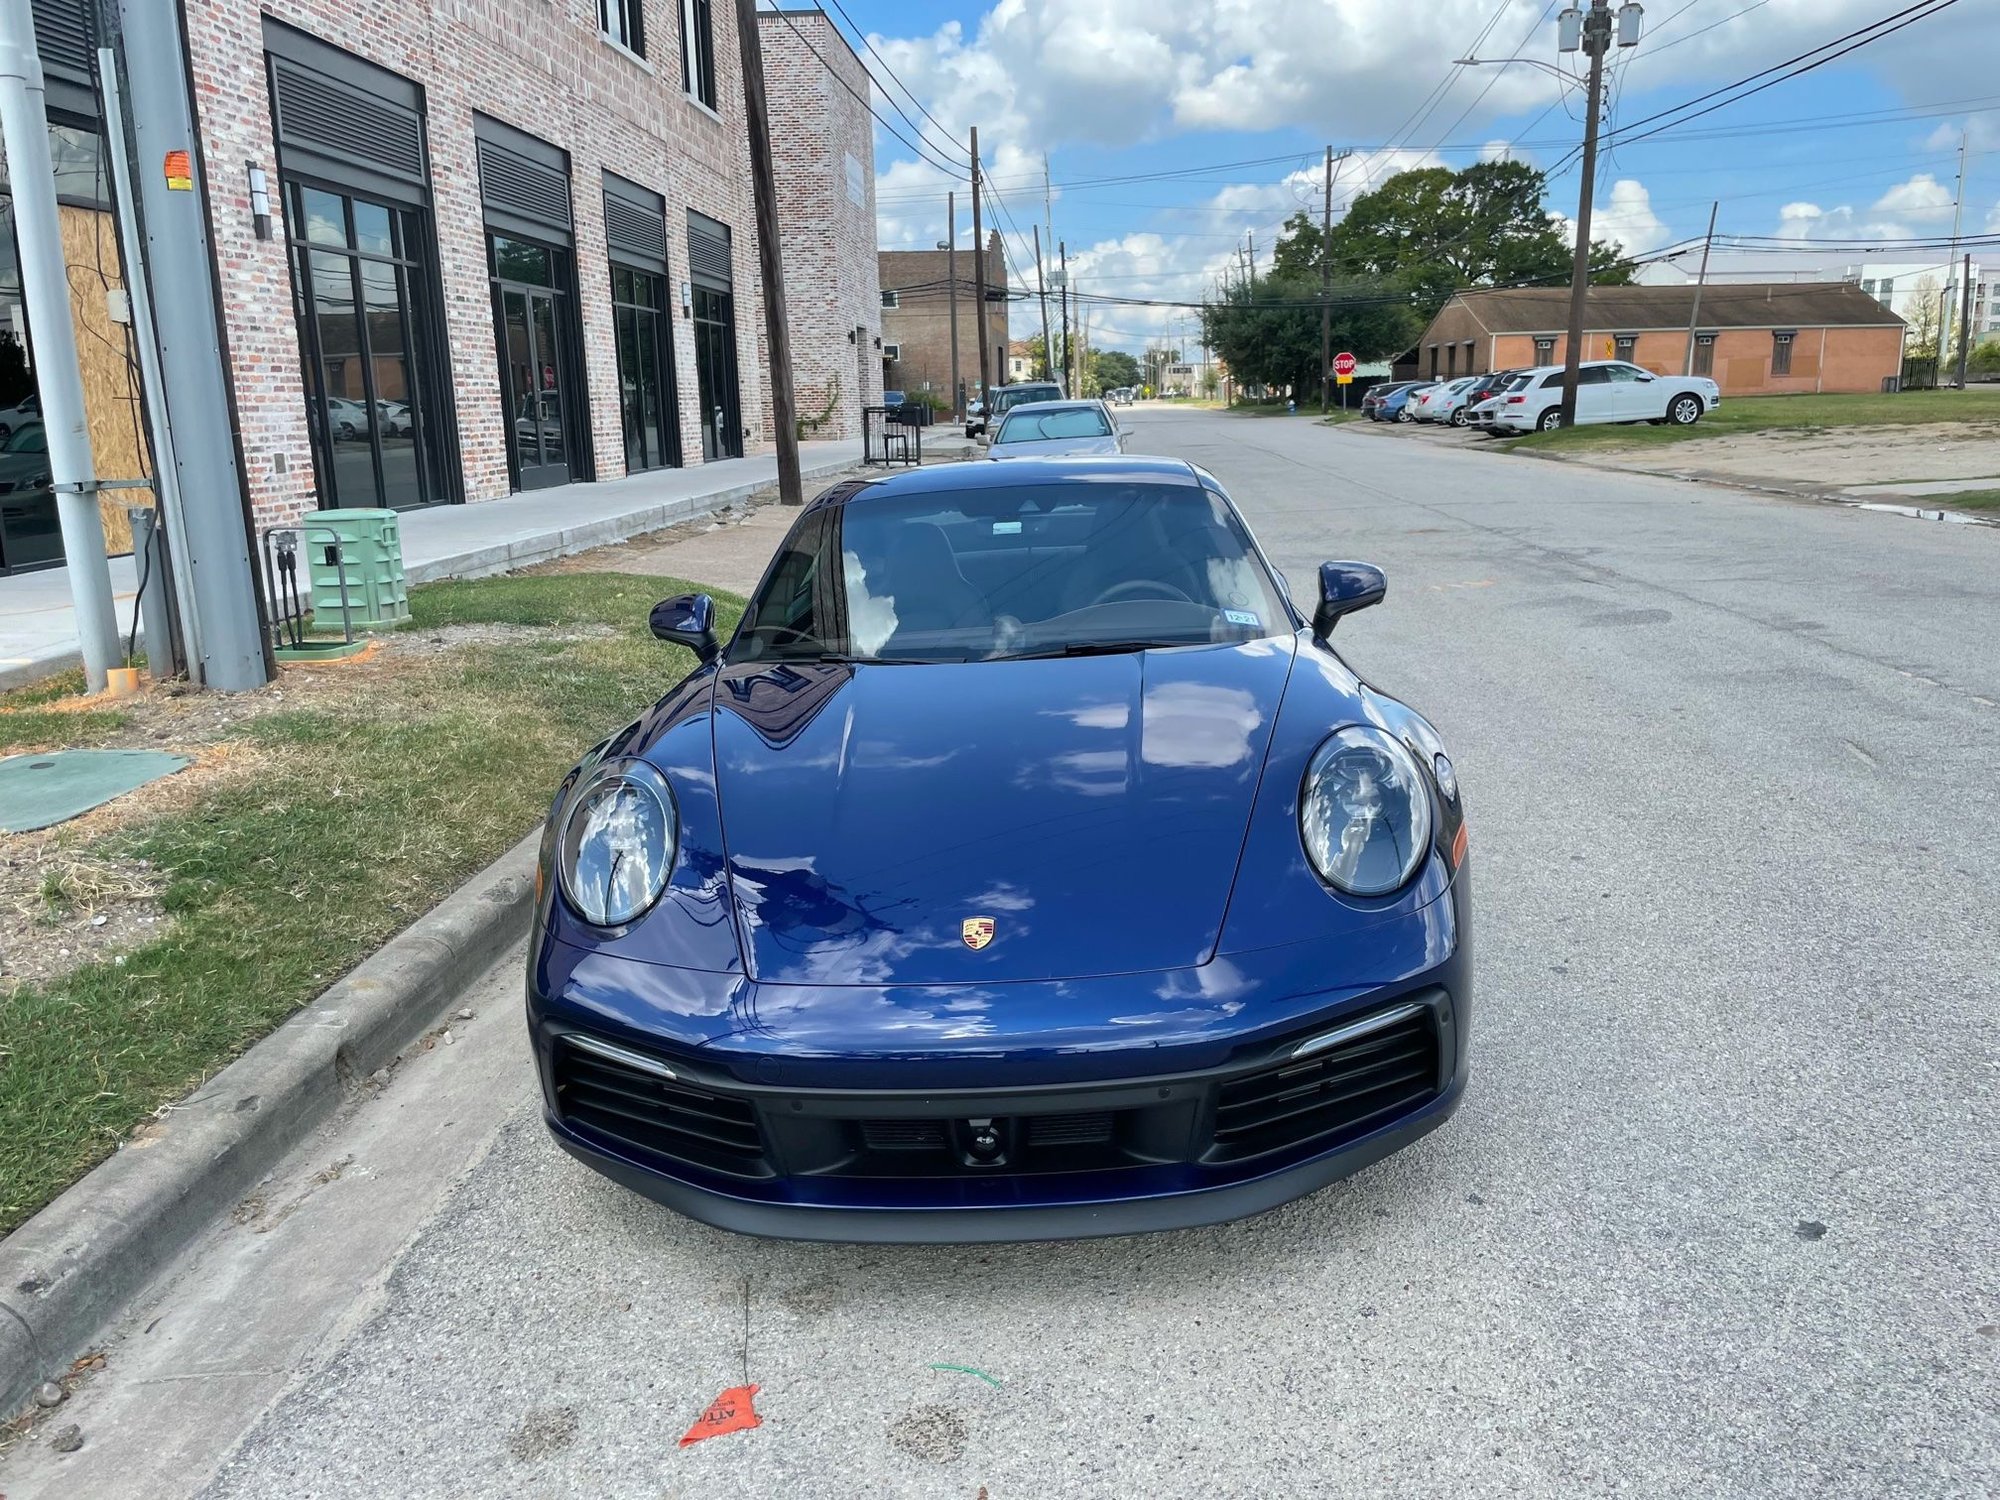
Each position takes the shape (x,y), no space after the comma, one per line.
(1819,375)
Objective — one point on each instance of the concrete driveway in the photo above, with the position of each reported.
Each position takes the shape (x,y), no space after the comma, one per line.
(1717,1217)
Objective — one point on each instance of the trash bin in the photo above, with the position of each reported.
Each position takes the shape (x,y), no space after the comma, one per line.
(371,552)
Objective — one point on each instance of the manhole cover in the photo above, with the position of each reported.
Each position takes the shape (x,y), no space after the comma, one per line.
(42,790)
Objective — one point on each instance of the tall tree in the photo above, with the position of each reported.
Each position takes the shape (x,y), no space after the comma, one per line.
(1435,230)
(1113,368)
(1268,331)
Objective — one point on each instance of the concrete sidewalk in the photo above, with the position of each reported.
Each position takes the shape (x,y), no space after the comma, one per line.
(37,628)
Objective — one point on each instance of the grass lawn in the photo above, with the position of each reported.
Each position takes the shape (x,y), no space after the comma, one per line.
(1963,500)
(1789,414)
(342,810)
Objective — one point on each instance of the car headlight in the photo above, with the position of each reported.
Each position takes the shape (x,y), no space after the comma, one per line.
(617,843)
(1365,812)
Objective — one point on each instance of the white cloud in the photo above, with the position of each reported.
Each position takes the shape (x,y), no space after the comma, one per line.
(1627,219)
(1922,198)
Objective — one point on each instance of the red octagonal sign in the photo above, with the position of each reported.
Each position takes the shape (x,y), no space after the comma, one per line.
(1343,364)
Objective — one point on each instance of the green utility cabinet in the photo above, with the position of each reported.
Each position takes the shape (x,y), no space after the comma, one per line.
(371,549)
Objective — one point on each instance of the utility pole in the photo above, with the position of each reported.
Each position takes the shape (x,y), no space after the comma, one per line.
(1700,281)
(1964,319)
(1069,379)
(1944,309)
(1041,287)
(1326,286)
(770,255)
(951,273)
(1593,31)
(979,282)
(226,644)
(24,122)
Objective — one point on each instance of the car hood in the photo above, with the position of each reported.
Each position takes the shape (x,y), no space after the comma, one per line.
(1091,809)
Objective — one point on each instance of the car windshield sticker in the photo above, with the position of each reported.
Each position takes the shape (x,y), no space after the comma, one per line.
(1240,617)
(1006,528)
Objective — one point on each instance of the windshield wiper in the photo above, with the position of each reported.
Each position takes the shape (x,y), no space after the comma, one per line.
(1095,648)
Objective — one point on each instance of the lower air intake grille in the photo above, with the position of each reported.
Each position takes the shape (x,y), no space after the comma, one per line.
(902,1135)
(1343,1091)
(658,1115)
(1069,1130)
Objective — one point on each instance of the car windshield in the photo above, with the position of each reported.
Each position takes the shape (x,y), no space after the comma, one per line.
(1031,426)
(1029,570)
(32,438)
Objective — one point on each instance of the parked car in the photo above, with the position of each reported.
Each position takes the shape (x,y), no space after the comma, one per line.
(1437,404)
(1396,406)
(1121,396)
(1481,415)
(1456,409)
(1048,429)
(1608,390)
(862,932)
(1373,398)
(1007,397)
(30,410)
(395,418)
(24,458)
(348,419)
(892,398)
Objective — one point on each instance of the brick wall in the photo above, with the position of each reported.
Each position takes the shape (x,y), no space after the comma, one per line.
(1823,359)
(823,147)
(543,67)
(921,324)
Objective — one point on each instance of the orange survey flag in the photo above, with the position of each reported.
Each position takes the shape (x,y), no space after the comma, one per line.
(730,1412)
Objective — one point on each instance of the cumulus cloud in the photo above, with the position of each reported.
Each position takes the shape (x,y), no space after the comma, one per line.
(1627,219)
(1922,198)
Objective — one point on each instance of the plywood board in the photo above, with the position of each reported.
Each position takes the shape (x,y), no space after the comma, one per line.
(111,394)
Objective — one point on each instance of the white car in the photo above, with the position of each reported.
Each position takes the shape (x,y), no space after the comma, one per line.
(30,410)
(1607,390)
(1481,416)
(1439,402)
(1045,429)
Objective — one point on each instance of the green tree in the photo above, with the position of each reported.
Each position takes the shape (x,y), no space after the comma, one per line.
(1925,317)
(1268,332)
(1113,368)
(1435,230)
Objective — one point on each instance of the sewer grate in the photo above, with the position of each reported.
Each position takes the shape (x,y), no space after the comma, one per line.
(40,791)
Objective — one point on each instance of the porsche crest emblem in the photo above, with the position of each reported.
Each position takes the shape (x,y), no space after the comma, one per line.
(977,932)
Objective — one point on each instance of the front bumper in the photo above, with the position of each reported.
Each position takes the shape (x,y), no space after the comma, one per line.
(1014,1141)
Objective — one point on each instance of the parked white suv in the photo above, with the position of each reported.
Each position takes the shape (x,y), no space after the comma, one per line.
(1607,390)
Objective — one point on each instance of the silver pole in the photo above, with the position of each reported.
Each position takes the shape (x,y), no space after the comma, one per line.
(166,472)
(24,123)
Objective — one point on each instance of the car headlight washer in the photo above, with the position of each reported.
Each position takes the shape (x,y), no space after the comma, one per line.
(1365,814)
(619,834)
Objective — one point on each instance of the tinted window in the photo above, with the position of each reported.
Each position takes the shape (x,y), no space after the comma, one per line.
(1039,426)
(1022,570)
(1593,375)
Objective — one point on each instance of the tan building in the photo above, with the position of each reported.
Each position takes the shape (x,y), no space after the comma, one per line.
(1752,340)
(916,319)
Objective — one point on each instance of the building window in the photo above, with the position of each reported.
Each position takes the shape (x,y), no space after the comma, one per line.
(1868,287)
(1545,351)
(623,22)
(892,352)
(1626,344)
(698,49)
(1887,287)
(1450,361)
(1781,353)
(1704,354)
(892,299)
(1434,361)
(646,408)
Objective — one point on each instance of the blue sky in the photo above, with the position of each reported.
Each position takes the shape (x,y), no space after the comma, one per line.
(1241,97)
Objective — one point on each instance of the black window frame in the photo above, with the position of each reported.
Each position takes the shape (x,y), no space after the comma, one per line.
(698,51)
(1781,352)
(623,24)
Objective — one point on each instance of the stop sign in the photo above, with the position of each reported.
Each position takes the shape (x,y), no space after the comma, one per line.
(1343,364)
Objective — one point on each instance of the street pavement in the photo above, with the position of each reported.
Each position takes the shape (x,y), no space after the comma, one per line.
(1716,1219)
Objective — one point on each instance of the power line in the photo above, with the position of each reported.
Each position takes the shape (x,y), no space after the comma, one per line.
(948,168)
(907,91)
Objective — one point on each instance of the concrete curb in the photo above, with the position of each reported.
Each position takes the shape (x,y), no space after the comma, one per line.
(66,1271)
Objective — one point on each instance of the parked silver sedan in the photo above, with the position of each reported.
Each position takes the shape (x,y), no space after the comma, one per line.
(1048,429)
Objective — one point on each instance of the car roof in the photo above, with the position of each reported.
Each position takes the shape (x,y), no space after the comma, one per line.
(947,478)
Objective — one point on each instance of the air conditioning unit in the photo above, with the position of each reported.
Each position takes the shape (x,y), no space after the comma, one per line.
(892,352)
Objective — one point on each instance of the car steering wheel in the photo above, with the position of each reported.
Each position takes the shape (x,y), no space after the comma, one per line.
(1159,590)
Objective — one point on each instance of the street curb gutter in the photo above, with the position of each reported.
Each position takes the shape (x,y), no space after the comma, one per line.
(68,1270)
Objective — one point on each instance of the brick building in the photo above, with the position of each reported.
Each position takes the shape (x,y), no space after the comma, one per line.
(917,298)
(1753,340)
(823,145)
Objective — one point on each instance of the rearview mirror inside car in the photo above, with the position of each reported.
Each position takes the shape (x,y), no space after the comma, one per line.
(687,620)
(1345,587)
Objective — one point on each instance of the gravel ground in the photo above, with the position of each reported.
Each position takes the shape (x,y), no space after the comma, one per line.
(1716,1218)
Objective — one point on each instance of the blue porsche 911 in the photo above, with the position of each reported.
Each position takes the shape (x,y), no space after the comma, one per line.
(1024,866)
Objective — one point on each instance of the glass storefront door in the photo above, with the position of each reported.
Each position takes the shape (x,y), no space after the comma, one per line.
(359,293)
(532,313)
(645,369)
(715,369)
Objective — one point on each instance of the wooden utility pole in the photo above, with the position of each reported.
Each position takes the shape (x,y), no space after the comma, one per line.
(770,258)
(1069,378)
(1042,290)
(1700,281)
(1326,287)
(1964,321)
(979,281)
(1596,42)
(951,274)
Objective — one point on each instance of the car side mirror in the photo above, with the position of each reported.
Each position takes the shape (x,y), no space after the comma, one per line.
(1345,587)
(687,620)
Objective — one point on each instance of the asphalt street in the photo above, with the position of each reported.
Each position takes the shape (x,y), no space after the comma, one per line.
(1718,1217)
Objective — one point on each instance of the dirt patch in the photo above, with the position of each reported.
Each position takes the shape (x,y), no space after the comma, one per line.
(547,1429)
(1826,459)
(61,907)
(936,1433)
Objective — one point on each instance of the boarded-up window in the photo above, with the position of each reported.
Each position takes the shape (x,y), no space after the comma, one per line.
(1704,354)
(1781,354)
(1746,373)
